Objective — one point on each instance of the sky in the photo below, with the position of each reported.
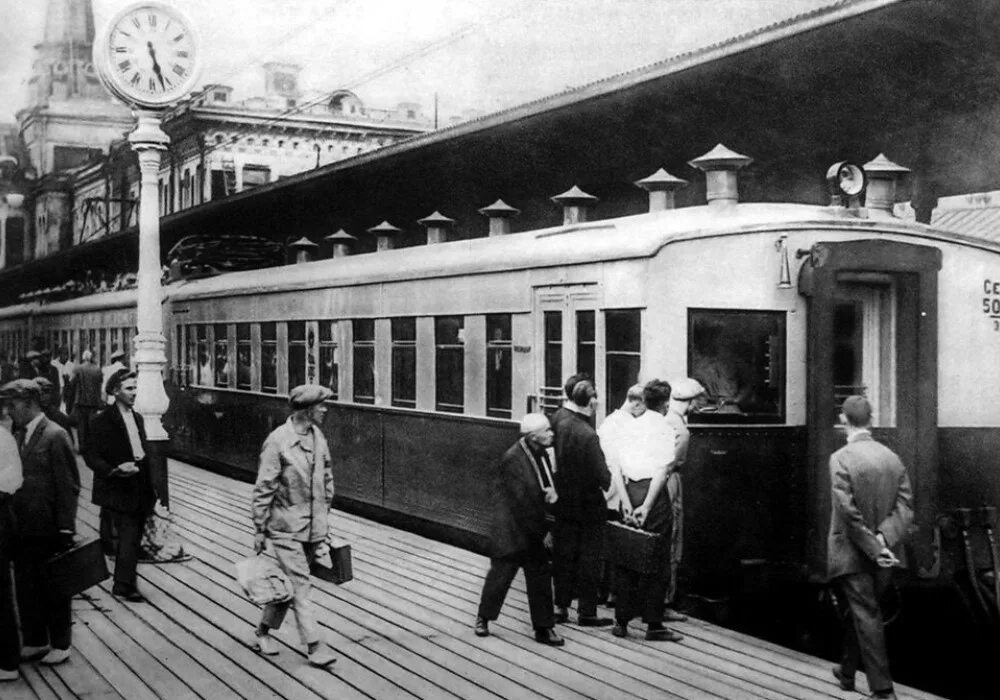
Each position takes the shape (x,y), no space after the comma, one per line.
(473,54)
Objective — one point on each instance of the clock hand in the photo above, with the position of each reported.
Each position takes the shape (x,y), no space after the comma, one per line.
(156,65)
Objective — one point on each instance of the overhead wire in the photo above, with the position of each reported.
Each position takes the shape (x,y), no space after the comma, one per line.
(402,61)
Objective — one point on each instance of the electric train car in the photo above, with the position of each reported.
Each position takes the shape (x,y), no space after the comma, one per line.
(780,310)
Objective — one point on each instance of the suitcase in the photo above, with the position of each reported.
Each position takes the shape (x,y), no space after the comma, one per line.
(73,571)
(337,567)
(634,549)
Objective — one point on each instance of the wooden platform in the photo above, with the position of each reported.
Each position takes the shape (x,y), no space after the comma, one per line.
(401,629)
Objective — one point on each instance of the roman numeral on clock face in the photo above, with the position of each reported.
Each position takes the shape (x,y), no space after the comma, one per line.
(124,66)
(179,70)
(135,80)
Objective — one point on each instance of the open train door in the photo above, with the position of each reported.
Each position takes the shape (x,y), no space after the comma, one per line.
(872,330)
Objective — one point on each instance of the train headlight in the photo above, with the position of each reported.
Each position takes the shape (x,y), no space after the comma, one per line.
(847,181)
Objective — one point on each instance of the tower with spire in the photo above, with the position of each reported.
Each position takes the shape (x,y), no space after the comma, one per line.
(71,117)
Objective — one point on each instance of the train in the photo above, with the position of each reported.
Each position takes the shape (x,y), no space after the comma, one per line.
(780,310)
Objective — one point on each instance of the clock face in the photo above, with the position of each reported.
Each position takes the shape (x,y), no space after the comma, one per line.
(149,55)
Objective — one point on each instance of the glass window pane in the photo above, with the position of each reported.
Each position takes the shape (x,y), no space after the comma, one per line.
(404,376)
(269,357)
(221,356)
(329,368)
(585,343)
(244,366)
(498,366)
(296,365)
(497,327)
(404,329)
(364,329)
(622,338)
(553,349)
(622,372)
(738,356)
(364,374)
(449,363)
(622,330)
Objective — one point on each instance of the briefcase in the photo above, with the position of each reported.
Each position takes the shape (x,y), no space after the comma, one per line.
(634,549)
(73,571)
(336,567)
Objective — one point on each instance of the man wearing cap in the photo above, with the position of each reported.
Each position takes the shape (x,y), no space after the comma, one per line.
(581,478)
(11,477)
(683,393)
(87,392)
(291,501)
(117,364)
(872,510)
(45,512)
(50,405)
(521,539)
(31,365)
(116,452)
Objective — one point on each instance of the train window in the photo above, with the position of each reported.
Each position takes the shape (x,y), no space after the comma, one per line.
(364,360)
(296,353)
(586,342)
(738,356)
(92,344)
(329,364)
(498,365)
(269,357)
(449,363)
(244,366)
(553,349)
(102,343)
(623,350)
(221,356)
(404,362)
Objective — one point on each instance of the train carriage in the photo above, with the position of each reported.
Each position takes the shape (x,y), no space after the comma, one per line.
(780,310)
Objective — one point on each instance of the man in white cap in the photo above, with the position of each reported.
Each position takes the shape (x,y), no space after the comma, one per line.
(683,394)
(521,530)
(291,501)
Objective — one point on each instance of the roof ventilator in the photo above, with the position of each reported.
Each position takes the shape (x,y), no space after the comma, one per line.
(575,203)
(304,250)
(437,225)
(500,213)
(386,236)
(720,166)
(661,186)
(340,243)
(883,176)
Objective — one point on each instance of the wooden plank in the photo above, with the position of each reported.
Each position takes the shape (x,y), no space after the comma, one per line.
(124,680)
(48,686)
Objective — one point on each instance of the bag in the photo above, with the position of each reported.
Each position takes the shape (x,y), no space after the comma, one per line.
(334,565)
(73,571)
(636,550)
(159,541)
(262,581)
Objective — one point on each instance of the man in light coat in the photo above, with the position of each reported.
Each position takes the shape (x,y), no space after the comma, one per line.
(872,511)
(291,501)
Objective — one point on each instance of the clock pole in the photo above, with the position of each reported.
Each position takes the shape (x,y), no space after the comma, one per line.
(149,141)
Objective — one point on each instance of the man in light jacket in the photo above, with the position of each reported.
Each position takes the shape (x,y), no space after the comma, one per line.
(871,514)
(291,500)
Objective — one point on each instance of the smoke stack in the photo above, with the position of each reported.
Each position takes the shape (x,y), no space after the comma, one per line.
(500,214)
(437,225)
(575,203)
(661,186)
(387,234)
(720,166)
(304,250)
(883,175)
(341,243)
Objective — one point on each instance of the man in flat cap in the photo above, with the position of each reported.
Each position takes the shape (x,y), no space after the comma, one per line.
(524,490)
(683,393)
(117,453)
(291,501)
(45,512)
(872,510)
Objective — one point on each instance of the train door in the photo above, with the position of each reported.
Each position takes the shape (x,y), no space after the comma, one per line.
(872,330)
(568,339)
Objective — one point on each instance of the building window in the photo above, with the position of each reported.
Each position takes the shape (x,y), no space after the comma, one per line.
(218,184)
(410,114)
(255,175)
(296,353)
(404,362)
(219,138)
(221,356)
(449,363)
(329,362)
(623,346)
(498,366)
(269,357)
(244,360)
(265,142)
(738,356)
(220,96)
(364,360)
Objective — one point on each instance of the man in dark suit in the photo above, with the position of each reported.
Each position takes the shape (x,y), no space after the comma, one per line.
(11,477)
(581,478)
(87,394)
(872,511)
(521,537)
(45,515)
(116,451)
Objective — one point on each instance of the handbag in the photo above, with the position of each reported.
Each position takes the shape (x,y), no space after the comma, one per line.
(76,569)
(262,581)
(335,565)
(634,549)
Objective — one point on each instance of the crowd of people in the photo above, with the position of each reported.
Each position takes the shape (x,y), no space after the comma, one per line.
(557,487)
(40,486)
